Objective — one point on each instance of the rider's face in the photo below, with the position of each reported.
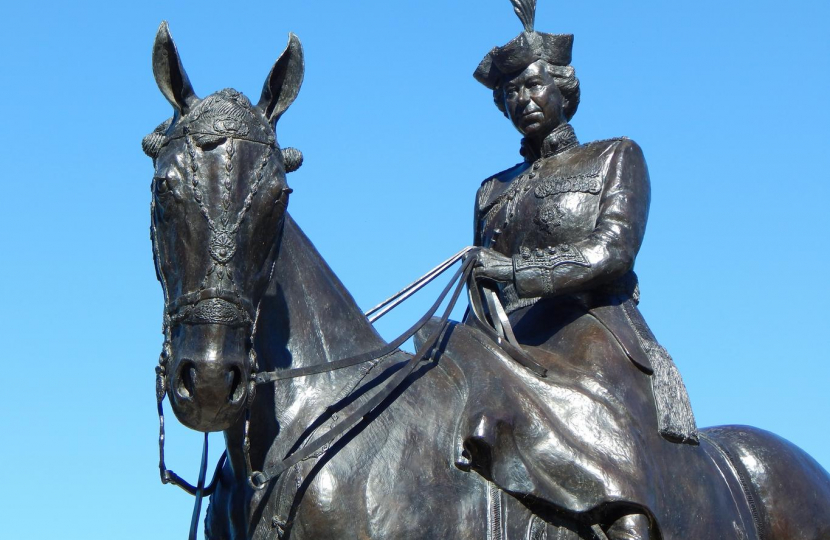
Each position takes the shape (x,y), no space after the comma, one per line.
(533,102)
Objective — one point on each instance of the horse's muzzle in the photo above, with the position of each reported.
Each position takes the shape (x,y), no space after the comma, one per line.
(208,375)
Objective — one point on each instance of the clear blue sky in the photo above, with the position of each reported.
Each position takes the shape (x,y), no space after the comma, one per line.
(727,99)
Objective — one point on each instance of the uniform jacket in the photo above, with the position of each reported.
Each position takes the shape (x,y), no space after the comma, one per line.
(572,219)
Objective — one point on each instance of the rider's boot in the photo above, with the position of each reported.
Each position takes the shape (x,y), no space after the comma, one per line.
(630,527)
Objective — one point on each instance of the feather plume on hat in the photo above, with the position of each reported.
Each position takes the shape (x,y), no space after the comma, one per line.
(526,11)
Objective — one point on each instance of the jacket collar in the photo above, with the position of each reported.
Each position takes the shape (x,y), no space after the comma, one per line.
(560,139)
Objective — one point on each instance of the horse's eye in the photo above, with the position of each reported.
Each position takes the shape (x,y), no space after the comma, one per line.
(162,185)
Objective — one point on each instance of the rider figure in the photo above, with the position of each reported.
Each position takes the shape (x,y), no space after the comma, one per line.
(560,231)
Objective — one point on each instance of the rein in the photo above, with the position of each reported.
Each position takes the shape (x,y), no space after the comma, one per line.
(384,308)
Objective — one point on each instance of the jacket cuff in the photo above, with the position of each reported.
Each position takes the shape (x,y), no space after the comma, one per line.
(533,269)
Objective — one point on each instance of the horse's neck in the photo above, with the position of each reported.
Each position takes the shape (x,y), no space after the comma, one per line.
(317,320)
(307,317)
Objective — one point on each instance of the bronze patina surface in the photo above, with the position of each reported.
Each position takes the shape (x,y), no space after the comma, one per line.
(552,412)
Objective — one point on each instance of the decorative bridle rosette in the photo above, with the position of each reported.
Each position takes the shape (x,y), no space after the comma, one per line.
(222,245)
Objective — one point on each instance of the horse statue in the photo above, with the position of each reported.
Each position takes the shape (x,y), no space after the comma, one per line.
(333,433)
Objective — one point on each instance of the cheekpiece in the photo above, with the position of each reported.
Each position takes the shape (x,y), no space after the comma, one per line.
(225,114)
(524,49)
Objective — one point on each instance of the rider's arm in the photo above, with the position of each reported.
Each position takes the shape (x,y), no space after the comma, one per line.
(609,251)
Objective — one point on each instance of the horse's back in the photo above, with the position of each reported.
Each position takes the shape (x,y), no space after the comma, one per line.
(788,491)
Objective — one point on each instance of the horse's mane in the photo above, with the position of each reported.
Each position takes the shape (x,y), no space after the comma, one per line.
(306,317)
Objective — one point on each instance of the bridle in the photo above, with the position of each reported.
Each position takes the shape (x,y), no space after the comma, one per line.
(222,247)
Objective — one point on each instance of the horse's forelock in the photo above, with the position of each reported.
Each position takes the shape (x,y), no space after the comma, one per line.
(227,103)
(226,113)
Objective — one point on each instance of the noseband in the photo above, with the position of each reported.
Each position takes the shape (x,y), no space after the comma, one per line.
(212,305)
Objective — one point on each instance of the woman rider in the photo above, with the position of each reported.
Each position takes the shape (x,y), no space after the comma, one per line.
(559,234)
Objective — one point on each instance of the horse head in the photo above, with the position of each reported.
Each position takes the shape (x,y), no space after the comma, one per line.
(219,196)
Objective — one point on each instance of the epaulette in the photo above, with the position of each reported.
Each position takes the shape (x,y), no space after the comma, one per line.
(606,141)
(502,174)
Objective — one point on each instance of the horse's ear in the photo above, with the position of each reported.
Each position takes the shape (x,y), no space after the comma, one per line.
(170,75)
(284,81)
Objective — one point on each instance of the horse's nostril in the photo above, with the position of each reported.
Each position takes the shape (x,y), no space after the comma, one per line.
(186,381)
(237,389)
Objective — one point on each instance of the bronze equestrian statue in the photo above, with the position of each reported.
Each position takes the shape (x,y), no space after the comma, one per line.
(555,421)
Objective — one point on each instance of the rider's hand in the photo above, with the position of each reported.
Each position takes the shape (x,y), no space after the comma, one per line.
(492,265)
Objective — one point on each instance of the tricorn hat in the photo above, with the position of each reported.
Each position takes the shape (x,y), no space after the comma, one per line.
(524,49)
